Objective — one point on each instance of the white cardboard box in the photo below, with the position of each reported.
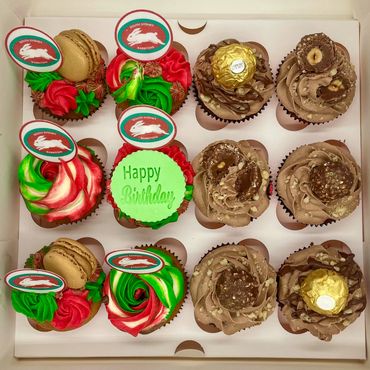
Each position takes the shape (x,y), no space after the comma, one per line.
(13,13)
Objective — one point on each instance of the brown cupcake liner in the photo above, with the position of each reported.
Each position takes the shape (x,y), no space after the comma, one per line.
(286,209)
(42,222)
(212,115)
(47,326)
(292,114)
(257,324)
(180,304)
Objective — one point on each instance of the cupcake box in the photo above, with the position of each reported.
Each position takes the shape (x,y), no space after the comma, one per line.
(268,340)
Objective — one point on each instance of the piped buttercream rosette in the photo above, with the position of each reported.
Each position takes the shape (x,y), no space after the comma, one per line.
(62,192)
(163,83)
(142,303)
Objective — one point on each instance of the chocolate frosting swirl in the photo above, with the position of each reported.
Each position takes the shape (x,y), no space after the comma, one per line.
(231,182)
(233,287)
(293,272)
(322,93)
(319,182)
(230,103)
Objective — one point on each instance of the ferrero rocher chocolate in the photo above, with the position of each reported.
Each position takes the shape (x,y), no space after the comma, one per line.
(233,65)
(325,291)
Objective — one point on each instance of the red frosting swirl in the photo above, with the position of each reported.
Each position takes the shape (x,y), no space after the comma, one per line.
(73,309)
(114,69)
(172,151)
(176,68)
(60,98)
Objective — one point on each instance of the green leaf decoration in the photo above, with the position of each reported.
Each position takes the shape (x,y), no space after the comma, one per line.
(95,288)
(39,81)
(189,192)
(85,101)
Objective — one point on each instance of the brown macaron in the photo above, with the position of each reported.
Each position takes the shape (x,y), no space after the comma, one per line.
(81,56)
(72,260)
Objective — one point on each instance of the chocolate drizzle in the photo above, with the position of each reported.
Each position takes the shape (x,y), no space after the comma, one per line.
(292,273)
(233,103)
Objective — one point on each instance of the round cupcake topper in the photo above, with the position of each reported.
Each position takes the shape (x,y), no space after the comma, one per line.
(143,35)
(134,261)
(34,281)
(47,141)
(146,127)
(33,49)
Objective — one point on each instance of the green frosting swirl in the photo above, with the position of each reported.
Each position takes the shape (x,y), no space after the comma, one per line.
(155,92)
(168,284)
(132,77)
(40,81)
(32,185)
(40,307)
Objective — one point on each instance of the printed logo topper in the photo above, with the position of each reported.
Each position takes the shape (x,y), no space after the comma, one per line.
(33,49)
(146,127)
(134,261)
(34,281)
(143,35)
(47,141)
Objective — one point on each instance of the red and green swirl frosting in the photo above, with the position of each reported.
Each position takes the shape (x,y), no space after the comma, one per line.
(65,191)
(138,303)
(178,156)
(162,83)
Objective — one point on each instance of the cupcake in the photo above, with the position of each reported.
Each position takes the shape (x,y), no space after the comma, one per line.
(146,291)
(150,188)
(233,287)
(316,82)
(233,80)
(231,183)
(64,192)
(161,83)
(81,297)
(319,183)
(321,291)
(77,89)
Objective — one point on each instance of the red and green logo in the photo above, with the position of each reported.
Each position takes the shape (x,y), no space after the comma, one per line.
(134,261)
(143,35)
(146,127)
(34,281)
(47,141)
(33,49)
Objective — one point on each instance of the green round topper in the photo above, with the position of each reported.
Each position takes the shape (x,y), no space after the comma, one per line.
(148,186)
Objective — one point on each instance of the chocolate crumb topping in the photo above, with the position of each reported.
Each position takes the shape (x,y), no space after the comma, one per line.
(330,181)
(236,289)
(153,69)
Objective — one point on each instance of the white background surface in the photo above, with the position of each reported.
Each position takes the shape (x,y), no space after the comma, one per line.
(99,337)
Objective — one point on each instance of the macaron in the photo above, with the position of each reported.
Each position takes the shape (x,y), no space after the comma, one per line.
(72,260)
(81,55)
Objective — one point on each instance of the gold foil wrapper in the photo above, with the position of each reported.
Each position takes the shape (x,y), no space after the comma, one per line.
(325,292)
(233,65)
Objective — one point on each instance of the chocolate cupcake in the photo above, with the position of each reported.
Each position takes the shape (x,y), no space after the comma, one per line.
(233,288)
(231,182)
(319,183)
(316,82)
(81,297)
(321,290)
(233,80)
(146,291)
(77,89)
